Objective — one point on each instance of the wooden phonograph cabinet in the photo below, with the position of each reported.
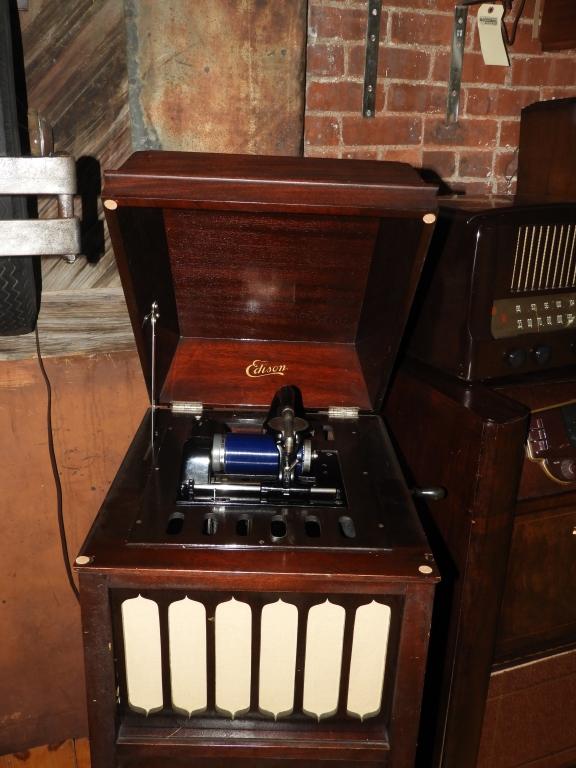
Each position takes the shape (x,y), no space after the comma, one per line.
(485,403)
(256,589)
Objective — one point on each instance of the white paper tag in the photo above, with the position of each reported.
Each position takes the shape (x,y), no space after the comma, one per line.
(490,30)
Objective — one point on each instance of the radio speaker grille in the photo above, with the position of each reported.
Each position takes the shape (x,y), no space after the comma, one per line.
(544,258)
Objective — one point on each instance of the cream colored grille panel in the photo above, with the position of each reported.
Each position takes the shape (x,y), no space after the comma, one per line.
(368,662)
(278,638)
(291,640)
(142,651)
(187,631)
(233,657)
(324,638)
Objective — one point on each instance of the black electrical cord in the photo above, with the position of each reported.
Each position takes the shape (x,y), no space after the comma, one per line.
(56,474)
(511,37)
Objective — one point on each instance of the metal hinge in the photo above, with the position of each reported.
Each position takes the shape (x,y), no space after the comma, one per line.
(187,407)
(343,412)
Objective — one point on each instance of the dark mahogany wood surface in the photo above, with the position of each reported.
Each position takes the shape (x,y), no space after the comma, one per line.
(538,613)
(108,541)
(558,25)
(546,157)
(284,181)
(282,256)
(512,569)
(213,372)
(269,276)
(468,439)
(530,716)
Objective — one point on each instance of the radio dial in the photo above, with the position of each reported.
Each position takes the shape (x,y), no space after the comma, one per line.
(568,469)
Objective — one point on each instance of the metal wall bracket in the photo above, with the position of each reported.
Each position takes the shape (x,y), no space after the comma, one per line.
(371,65)
(40,237)
(456,62)
(46,237)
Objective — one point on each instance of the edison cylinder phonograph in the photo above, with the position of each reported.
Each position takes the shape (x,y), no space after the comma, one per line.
(279,463)
(256,588)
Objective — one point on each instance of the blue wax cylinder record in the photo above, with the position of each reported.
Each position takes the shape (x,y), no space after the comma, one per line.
(250,455)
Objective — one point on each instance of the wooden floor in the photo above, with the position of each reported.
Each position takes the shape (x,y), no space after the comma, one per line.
(68,754)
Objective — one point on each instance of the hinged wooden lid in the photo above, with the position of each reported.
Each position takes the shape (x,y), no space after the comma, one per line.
(269,271)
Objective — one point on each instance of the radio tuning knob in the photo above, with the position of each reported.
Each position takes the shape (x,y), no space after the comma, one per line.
(542,354)
(568,469)
(515,357)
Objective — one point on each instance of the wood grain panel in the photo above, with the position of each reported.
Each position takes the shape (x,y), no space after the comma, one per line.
(538,610)
(49,756)
(73,753)
(75,66)
(269,276)
(98,401)
(477,457)
(73,321)
(546,162)
(530,716)
(558,25)
(217,372)
(75,61)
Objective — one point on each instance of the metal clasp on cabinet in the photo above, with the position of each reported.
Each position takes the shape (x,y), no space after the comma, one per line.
(152,318)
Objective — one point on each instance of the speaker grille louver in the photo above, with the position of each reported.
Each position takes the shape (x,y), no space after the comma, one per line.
(544,258)
(257,646)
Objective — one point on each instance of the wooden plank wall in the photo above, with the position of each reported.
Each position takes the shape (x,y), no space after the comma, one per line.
(76,65)
(69,754)
(76,75)
(212,76)
(98,402)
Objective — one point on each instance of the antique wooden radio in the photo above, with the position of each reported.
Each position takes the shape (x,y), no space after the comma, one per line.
(491,367)
(256,588)
(502,299)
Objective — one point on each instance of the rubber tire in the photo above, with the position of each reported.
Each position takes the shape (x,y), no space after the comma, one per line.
(20,278)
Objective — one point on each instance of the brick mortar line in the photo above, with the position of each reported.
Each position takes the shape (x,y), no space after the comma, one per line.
(361,5)
(432,115)
(331,80)
(400,148)
(457,149)
(432,48)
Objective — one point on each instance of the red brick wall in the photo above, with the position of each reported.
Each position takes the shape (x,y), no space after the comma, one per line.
(478,153)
